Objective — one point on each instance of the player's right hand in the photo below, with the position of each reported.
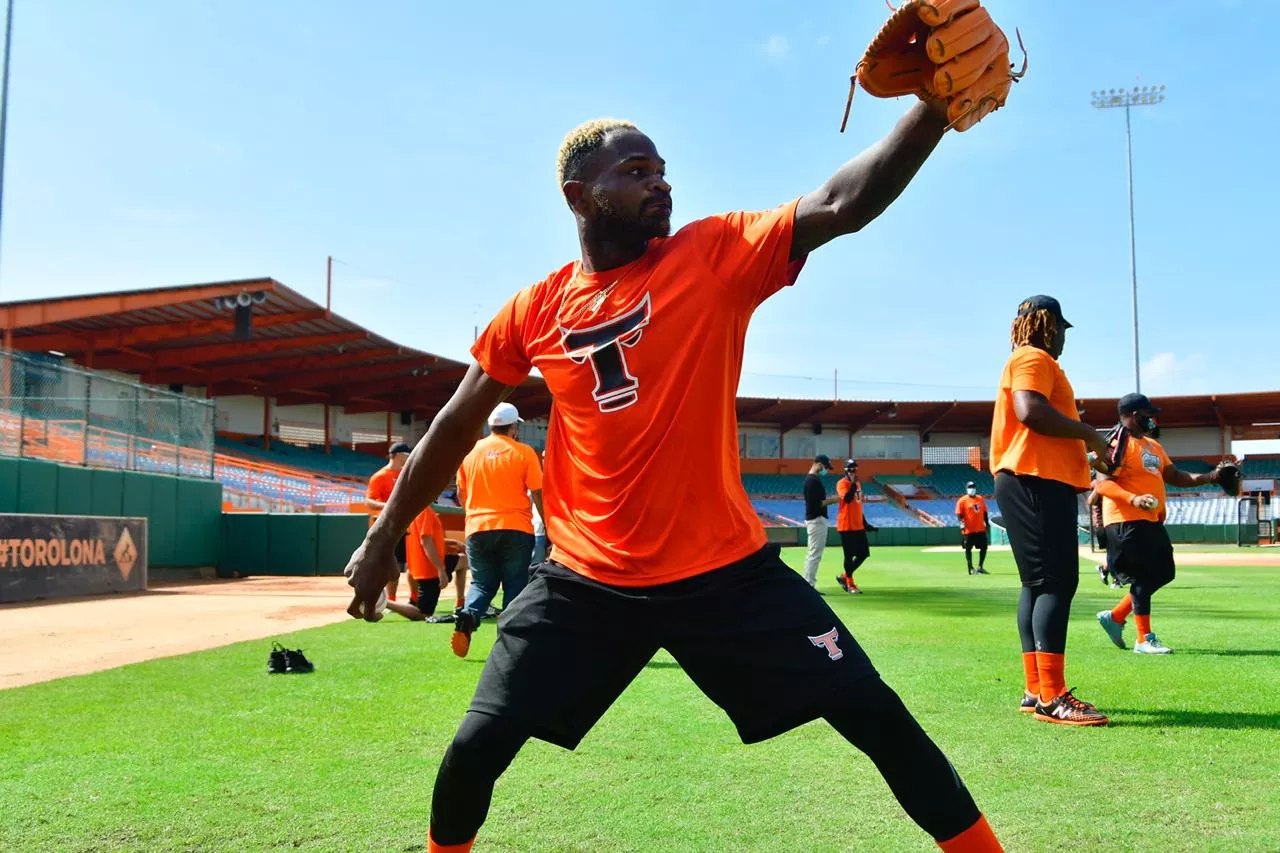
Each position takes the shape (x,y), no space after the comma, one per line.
(1147,502)
(368,572)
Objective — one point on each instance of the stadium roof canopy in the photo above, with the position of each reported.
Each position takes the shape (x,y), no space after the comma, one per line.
(1252,415)
(296,350)
(300,352)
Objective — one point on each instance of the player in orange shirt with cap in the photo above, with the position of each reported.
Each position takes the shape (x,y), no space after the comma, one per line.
(1038,456)
(852,525)
(655,543)
(975,521)
(381,484)
(1133,509)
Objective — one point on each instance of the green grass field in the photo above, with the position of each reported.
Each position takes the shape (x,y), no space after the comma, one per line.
(208,752)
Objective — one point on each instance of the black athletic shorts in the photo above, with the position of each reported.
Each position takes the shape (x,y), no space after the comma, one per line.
(754,636)
(400,553)
(428,595)
(451,563)
(1100,534)
(1040,518)
(975,540)
(1140,552)
(854,543)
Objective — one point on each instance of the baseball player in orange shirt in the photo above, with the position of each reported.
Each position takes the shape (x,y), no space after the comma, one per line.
(427,556)
(381,484)
(971,509)
(1133,510)
(852,525)
(640,343)
(1038,457)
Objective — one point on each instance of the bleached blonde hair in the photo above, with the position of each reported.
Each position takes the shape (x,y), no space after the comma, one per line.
(583,141)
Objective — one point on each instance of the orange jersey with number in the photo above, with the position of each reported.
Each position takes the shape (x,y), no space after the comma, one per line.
(1022,450)
(973,514)
(642,484)
(1140,472)
(427,525)
(849,513)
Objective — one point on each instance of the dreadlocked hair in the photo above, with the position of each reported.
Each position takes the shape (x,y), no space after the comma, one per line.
(1035,328)
(583,141)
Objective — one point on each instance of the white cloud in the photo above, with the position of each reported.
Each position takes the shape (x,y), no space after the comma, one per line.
(1168,373)
(777,47)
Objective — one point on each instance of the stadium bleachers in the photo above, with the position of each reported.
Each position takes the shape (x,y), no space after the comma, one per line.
(944,509)
(340,462)
(793,484)
(1264,466)
(1202,511)
(879,513)
(950,479)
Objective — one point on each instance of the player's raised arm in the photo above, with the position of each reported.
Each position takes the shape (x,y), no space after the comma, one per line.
(431,466)
(862,188)
(952,56)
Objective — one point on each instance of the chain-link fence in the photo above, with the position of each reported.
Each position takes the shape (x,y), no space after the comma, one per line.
(49,410)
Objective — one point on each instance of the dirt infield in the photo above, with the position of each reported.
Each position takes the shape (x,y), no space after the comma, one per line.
(48,640)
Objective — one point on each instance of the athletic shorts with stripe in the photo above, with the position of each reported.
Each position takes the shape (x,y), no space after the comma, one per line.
(753,636)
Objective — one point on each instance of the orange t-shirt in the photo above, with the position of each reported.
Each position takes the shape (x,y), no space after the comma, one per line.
(495,480)
(426,524)
(643,484)
(380,486)
(849,515)
(1017,448)
(973,514)
(1141,472)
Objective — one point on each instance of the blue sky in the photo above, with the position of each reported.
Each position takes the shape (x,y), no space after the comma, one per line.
(154,143)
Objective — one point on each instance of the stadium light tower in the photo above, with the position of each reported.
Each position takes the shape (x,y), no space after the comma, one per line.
(1105,99)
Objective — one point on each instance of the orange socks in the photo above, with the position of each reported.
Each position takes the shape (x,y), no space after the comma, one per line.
(459,602)
(1144,625)
(1031,673)
(464,847)
(1123,609)
(1052,681)
(976,839)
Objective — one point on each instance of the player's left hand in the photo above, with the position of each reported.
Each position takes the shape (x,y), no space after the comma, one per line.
(944,51)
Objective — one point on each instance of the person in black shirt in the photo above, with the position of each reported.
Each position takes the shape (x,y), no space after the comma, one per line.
(815,516)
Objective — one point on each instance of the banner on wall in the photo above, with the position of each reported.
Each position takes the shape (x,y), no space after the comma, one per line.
(57,556)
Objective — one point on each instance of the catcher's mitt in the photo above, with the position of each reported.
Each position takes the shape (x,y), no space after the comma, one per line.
(1227,475)
(948,50)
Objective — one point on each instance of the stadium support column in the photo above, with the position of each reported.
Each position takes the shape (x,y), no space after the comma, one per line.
(266,423)
(388,429)
(328,437)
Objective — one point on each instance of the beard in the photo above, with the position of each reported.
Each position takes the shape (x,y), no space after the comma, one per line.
(615,225)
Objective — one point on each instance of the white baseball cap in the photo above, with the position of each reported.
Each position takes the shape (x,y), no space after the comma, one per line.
(505,414)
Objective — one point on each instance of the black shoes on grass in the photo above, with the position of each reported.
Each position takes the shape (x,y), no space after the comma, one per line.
(283,661)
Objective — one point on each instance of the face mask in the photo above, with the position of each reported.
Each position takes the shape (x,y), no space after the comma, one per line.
(970,492)
(1150,427)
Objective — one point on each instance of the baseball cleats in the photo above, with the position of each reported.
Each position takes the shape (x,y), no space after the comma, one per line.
(276,661)
(296,662)
(1067,710)
(1029,702)
(1149,645)
(464,624)
(1114,629)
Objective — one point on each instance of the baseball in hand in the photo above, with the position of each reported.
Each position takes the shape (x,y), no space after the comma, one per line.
(1148,502)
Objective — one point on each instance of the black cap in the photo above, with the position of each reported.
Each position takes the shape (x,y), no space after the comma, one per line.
(824,460)
(1048,303)
(1131,403)
(399,447)
(850,464)
(971,485)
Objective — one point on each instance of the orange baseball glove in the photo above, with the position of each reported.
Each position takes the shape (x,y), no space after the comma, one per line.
(947,50)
